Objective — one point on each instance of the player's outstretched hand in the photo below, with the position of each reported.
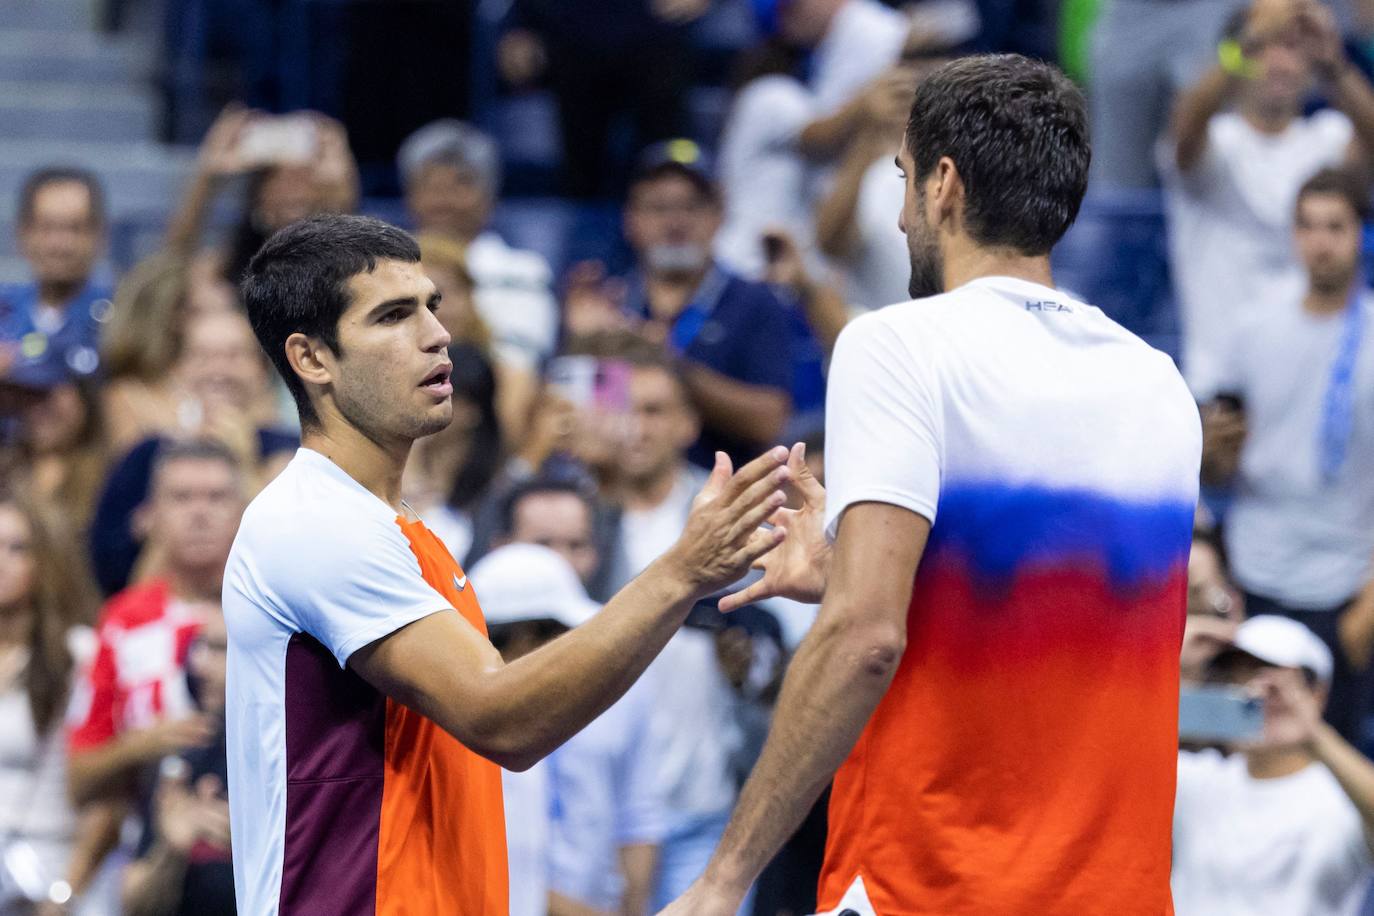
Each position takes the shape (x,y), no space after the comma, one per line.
(800,567)
(723,536)
(699,900)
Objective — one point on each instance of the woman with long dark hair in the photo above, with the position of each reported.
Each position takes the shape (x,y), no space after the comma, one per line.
(45,604)
(451,472)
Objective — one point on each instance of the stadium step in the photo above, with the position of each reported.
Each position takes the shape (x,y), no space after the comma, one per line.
(32,110)
(139,177)
(48,14)
(70,57)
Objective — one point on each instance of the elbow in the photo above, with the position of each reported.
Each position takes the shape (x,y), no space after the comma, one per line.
(509,745)
(870,652)
(509,753)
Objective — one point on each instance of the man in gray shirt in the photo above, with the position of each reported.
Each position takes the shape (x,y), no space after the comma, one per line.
(1291,427)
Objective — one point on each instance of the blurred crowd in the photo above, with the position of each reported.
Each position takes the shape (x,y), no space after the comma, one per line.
(140,417)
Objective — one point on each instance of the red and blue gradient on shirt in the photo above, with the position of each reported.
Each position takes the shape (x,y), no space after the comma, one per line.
(1021,760)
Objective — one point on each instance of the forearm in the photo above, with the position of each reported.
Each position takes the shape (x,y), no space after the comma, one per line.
(1356,629)
(104,770)
(540,700)
(1353,770)
(153,884)
(1194,112)
(824,136)
(638,864)
(832,687)
(186,226)
(827,313)
(836,233)
(1355,98)
(755,413)
(97,834)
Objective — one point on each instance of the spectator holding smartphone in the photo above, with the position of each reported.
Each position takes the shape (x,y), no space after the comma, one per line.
(1286,825)
(1289,431)
(1239,149)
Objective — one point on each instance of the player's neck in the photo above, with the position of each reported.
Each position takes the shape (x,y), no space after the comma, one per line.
(1276,764)
(966,264)
(377,466)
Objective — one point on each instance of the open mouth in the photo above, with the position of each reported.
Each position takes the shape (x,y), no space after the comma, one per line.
(438,382)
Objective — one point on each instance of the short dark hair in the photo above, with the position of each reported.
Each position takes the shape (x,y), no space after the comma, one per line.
(1341,182)
(171,452)
(1017,130)
(541,486)
(51,175)
(298,283)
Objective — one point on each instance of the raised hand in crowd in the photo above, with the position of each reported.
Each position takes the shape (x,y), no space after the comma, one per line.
(679,11)
(592,302)
(1223,435)
(826,310)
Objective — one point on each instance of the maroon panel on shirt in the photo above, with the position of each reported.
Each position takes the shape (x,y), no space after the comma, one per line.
(335,732)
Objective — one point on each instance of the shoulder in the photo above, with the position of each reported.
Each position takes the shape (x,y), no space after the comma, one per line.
(490,259)
(308,509)
(136,606)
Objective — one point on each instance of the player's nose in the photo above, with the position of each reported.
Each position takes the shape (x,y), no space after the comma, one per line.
(435,336)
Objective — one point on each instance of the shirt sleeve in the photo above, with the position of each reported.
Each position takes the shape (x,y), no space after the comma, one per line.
(90,712)
(642,802)
(884,426)
(347,584)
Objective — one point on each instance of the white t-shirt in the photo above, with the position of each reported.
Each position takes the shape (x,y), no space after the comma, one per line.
(336,792)
(880,268)
(1265,847)
(864,39)
(1231,222)
(515,300)
(697,728)
(606,794)
(529,832)
(1002,382)
(763,177)
(1291,535)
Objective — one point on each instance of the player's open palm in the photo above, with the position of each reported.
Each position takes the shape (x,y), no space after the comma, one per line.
(723,536)
(800,566)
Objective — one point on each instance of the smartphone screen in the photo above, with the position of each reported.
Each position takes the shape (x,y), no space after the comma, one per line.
(1209,714)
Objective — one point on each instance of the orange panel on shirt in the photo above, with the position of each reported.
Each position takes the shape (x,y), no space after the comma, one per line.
(442,845)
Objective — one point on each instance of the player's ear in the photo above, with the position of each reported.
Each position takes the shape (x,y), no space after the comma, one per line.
(945,193)
(310,359)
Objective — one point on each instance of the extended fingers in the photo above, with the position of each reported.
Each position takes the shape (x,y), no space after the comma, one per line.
(755,514)
(757,470)
(761,542)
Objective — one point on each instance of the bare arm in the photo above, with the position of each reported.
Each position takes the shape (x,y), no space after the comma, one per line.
(218,159)
(839,675)
(1193,112)
(837,231)
(1355,97)
(638,865)
(755,413)
(1352,770)
(1356,628)
(107,769)
(823,137)
(153,884)
(97,834)
(515,714)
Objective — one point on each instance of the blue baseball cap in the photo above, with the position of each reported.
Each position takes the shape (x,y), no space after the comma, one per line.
(681,155)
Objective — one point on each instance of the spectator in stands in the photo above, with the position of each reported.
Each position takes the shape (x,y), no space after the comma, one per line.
(584,824)
(452,475)
(51,324)
(1143,55)
(1287,824)
(854,223)
(60,455)
(225,378)
(445,262)
(1233,174)
(1287,429)
(566,517)
(704,728)
(141,346)
(183,868)
(853,42)
(451,173)
(133,705)
(733,336)
(45,608)
(603,60)
(297,165)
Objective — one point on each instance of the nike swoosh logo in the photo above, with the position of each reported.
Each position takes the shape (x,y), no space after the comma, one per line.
(460,584)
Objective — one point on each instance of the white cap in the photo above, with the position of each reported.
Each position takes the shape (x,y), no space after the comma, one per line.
(521,582)
(1286,643)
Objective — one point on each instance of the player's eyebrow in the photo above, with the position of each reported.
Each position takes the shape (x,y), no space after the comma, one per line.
(382,308)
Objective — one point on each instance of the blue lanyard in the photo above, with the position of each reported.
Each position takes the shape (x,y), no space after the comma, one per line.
(1338,404)
(693,317)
